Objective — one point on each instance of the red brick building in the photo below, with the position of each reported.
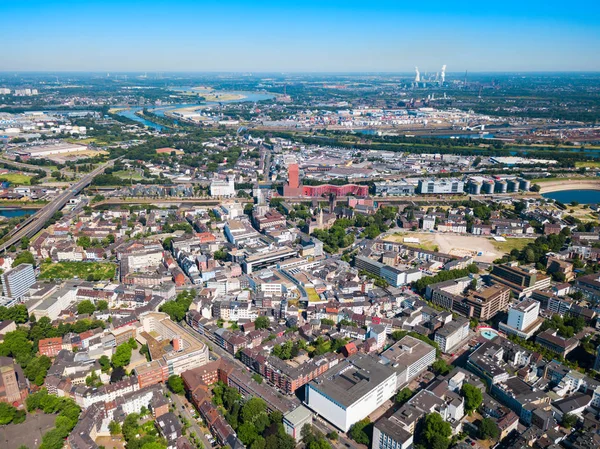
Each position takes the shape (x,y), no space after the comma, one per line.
(50,347)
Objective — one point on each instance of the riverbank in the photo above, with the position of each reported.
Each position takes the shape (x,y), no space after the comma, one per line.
(569,184)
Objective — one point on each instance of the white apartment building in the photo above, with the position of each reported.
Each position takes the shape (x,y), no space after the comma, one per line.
(452,334)
(408,358)
(222,187)
(142,260)
(16,282)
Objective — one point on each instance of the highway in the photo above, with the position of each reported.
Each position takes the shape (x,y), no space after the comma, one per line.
(36,222)
(27,167)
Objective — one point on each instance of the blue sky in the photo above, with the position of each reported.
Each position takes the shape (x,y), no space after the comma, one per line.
(305,36)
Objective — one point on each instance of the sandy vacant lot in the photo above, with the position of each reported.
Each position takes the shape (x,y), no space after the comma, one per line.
(454,244)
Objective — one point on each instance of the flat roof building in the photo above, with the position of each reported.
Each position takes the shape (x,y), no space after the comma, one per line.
(408,357)
(351,390)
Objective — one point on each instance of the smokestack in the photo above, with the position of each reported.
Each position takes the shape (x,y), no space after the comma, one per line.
(443,73)
(418,75)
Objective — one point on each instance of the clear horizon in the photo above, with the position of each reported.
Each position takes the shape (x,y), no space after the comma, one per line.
(311,37)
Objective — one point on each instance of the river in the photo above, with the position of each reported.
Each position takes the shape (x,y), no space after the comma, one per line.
(160,110)
(580,196)
(10,213)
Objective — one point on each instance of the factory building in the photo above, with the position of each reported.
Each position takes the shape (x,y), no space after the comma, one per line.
(441,186)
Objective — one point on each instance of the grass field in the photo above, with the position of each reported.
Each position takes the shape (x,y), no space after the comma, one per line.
(124,174)
(313,296)
(81,270)
(510,244)
(17,178)
(590,164)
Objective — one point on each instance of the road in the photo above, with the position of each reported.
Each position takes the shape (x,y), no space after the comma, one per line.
(182,406)
(36,222)
(323,426)
(343,441)
(28,167)
(165,200)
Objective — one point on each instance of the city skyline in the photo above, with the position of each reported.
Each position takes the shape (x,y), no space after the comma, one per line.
(312,37)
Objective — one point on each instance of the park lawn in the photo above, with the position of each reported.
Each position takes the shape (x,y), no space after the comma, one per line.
(511,243)
(81,270)
(313,296)
(17,178)
(125,174)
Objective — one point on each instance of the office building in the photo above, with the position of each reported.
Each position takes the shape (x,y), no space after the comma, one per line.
(521,280)
(452,334)
(175,347)
(408,358)
(351,390)
(441,186)
(16,282)
(399,188)
(523,319)
(222,187)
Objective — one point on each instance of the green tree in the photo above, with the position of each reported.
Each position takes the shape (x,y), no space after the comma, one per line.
(153,445)
(247,433)
(253,408)
(114,427)
(403,395)
(122,356)
(102,305)
(132,343)
(25,242)
(473,397)
(568,420)
(262,322)
(440,367)
(175,384)
(488,429)
(23,257)
(85,307)
(7,413)
(436,432)
(358,431)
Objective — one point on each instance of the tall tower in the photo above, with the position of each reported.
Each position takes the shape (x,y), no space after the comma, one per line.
(332,202)
(293,176)
(292,188)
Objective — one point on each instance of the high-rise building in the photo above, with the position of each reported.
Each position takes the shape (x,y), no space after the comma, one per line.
(292,188)
(523,319)
(16,282)
(293,176)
